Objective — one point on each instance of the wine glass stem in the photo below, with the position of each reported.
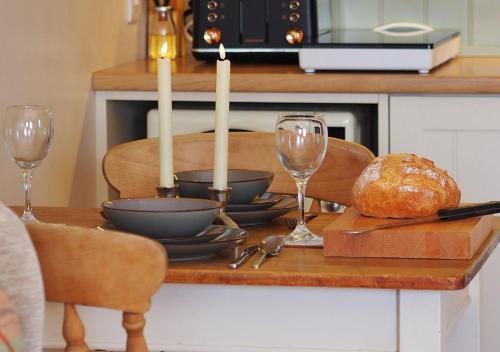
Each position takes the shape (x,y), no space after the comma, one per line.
(27,174)
(301,194)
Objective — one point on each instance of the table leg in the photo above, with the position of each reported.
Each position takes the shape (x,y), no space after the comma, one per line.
(439,321)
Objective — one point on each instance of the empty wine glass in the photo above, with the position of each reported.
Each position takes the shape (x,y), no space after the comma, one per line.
(301,141)
(28,132)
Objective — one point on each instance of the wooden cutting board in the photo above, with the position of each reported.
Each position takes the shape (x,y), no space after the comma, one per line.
(457,239)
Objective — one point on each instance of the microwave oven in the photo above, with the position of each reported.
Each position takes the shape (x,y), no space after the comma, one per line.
(343,124)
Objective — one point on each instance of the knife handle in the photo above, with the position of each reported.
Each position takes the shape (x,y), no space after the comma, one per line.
(247,253)
(259,260)
(469,211)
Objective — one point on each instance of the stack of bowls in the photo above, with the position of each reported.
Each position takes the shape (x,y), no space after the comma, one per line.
(249,203)
(183,225)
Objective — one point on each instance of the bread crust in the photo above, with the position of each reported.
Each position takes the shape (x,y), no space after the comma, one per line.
(403,186)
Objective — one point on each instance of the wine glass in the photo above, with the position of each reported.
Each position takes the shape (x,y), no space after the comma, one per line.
(301,141)
(28,131)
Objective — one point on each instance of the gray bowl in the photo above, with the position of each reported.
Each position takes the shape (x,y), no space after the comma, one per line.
(161,217)
(247,185)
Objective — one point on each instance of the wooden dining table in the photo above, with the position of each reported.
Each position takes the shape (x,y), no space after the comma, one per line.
(400,305)
(305,266)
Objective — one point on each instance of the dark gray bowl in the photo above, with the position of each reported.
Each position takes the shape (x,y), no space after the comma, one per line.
(247,185)
(161,217)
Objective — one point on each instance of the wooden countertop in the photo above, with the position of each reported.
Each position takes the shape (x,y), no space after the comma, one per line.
(470,75)
(307,266)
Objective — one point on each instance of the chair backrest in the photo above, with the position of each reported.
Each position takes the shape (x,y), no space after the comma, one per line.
(89,267)
(133,168)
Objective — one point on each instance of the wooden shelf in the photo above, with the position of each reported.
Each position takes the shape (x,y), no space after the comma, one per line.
(307,266)
(463,75)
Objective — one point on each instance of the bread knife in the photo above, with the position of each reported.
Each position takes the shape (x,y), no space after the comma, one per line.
(447,214)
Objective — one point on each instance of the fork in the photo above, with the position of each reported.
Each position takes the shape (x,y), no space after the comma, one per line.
(292,222)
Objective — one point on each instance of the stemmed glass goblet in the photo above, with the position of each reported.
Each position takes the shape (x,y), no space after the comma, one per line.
(301,141)
(28,131)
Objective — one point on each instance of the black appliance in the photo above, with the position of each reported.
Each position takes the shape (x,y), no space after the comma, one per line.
(254,30)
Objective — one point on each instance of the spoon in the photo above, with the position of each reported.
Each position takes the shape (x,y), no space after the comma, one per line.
(270,246)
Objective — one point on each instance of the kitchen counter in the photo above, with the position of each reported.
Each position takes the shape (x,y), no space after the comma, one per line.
(392,304)
(462,75)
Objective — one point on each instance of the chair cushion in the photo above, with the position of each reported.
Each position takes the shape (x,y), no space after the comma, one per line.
(21,278)
(10,326)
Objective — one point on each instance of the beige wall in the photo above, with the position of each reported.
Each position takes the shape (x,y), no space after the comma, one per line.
(48,51)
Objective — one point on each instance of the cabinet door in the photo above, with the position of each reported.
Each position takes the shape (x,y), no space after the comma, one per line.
(461,134)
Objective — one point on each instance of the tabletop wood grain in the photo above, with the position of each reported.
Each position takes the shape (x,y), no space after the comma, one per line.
(474,75)
(307,266)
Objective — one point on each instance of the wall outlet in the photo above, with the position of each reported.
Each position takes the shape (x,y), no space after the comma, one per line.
(133,10)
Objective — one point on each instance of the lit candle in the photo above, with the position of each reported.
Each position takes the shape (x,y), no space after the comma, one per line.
(221,120)
(165,118)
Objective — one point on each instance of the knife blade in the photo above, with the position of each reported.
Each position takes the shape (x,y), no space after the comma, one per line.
(447,214)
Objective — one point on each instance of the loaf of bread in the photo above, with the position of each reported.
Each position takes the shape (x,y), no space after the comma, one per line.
(403,186)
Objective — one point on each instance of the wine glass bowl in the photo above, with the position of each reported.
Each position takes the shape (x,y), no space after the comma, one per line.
(301,141)
(28,131)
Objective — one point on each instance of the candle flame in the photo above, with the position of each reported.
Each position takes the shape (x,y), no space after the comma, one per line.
(164,50)
(222,52)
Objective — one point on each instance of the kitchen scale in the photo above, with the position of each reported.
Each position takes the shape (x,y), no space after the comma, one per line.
(396,47)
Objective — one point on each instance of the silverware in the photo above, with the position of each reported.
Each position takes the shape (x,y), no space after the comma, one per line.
(270,246)
(466,212)
(243,257)
(292,222)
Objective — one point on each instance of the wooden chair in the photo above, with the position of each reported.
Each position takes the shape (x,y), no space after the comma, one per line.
(88,267)
(132,168)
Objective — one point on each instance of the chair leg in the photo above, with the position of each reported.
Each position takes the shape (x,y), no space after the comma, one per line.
(134,326)
(73,330)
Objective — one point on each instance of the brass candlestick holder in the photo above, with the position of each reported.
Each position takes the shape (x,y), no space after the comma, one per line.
(168,192)
(222,196)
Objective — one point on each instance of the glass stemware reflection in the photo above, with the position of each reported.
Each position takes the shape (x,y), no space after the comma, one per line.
(301,141)
(28,131)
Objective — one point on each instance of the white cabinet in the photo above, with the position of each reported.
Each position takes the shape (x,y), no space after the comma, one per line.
(462,135)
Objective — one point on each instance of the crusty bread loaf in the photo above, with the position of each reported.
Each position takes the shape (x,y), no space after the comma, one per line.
(403,186)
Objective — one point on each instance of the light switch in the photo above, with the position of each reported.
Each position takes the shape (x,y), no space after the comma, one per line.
(133,9)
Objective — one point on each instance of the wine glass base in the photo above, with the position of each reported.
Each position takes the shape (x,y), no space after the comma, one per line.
(28,217)
(303,237)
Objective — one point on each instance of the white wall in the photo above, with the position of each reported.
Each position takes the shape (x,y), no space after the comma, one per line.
(48,51)
(477,20)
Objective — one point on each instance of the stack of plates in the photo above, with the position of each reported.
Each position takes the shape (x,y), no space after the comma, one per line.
(183,226)
(249,204)
(262,210)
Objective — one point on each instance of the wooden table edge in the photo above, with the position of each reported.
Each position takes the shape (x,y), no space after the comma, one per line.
(267,276)
(262,277)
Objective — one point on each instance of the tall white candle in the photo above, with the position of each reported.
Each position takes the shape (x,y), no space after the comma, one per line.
(165,119)
(221,120)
